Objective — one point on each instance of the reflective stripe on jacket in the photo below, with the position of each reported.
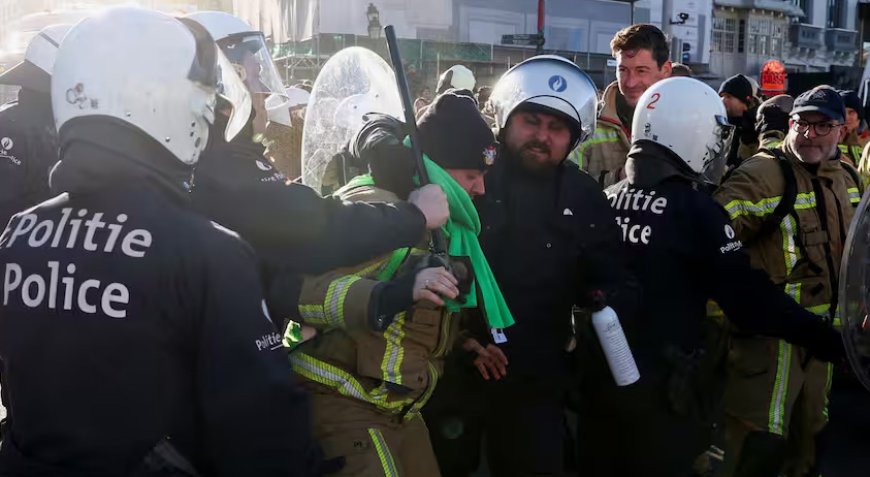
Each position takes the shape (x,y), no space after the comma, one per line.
(823,208)
(395,369)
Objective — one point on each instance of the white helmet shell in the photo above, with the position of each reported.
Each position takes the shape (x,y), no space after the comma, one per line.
(553,82)
(158,74)
(35,71)
(687,117)
(221,25)
(456,77)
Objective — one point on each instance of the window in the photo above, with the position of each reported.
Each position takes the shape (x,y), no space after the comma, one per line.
(835,13)
(765,37)
(724,34)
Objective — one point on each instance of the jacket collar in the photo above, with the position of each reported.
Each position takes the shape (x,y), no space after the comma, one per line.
(608,109)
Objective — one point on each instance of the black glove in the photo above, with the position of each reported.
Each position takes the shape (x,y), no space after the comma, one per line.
(748,134)
(379,145)
(829,345)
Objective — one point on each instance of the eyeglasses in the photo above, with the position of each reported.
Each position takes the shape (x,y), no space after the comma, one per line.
(821,129)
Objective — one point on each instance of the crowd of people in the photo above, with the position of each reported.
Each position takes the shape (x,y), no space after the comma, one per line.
(433,315)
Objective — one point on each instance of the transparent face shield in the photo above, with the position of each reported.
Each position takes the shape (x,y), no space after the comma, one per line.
(714,169)
(216,75)
(253,64)
(231,88)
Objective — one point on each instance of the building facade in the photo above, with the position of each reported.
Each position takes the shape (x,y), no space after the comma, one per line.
(806,35)
(580,29)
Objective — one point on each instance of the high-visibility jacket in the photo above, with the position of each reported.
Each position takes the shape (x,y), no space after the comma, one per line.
(803,254)
(770,140)
(395,370)
(603,154)
(851,148)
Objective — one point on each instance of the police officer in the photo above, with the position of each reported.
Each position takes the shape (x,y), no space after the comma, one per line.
(854,135)
(290,226)
(684,253)
(551,240)
(28,140)
(132,331)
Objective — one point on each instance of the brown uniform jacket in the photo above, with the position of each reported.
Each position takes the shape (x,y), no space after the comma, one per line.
(604,154)
(803,254)
(395,370)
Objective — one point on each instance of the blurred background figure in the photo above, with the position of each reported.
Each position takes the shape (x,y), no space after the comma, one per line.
(680,69)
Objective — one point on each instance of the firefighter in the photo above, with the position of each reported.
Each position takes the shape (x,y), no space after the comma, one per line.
(386,324)
(854,134)
(792,206)
(642,58)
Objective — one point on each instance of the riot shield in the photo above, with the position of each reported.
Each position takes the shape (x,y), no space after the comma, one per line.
(855,293)
(355,81)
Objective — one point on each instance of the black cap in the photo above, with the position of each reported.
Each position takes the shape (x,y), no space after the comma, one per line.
(851,100)
(823,99)
(739,87)
(455,135)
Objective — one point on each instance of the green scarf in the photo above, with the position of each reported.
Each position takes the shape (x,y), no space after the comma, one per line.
(461,230)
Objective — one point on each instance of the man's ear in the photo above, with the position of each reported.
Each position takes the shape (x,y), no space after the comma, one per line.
(667,68)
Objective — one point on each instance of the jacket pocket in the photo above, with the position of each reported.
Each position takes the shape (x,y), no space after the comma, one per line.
(399,356)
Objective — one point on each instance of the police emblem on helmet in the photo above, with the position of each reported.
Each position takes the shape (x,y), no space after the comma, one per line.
(557,83)
(489,155)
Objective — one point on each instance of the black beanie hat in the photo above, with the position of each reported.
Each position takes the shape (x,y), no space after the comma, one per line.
(739,87)
(454,134)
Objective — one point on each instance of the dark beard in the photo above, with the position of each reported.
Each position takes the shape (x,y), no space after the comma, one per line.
(528,159)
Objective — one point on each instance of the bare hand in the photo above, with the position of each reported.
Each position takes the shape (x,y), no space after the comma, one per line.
(489,361)
(432,201)
(433,283)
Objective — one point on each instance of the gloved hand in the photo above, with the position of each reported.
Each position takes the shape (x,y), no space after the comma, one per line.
(829,346)
(378,144)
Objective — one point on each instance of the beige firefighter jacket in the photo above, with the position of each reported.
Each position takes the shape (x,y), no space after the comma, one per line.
(803,254)
(395,370)
(603,155)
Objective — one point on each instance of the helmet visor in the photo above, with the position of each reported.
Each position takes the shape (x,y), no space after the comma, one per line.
(718,152)
(253,63)
(231,88)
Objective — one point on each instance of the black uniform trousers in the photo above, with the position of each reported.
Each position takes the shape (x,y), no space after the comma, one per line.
(632,432)
(519,420)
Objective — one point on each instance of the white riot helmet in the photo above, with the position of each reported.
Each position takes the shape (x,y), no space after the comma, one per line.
(687,117)
(34,72)
(456,77)
(247,51)
(554,83)
(149,70)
